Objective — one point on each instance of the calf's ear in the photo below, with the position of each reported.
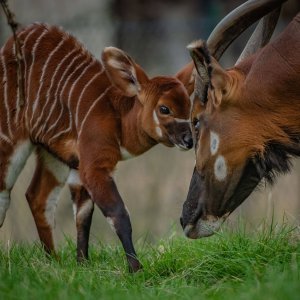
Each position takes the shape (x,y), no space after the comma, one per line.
(123,72)
(187,76)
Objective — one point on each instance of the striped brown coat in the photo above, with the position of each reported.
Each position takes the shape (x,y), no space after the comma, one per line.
(84,116)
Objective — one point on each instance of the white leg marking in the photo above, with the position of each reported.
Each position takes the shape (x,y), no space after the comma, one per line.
(74,178)
(17,162)
(214,143)
(57,168)
(4,204)
(220,168)
(90,109)
(85,209)
(51,206)
(111,223)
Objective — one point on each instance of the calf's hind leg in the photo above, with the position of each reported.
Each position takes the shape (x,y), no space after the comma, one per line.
(83,208)
(43,193)
(12,161)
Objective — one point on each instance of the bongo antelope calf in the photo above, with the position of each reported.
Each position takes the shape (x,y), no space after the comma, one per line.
(83,116)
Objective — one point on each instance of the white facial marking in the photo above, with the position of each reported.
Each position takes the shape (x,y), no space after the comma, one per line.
(4,204)
(182,120)
(111,223)
(214,143)
(74,178)
(85,209)
(125,153)
(158,131)
(220,168)
(17,162)
(155,118)
(157,127)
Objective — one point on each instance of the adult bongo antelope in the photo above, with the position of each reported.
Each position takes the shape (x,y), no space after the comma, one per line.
(84,116)
(247,126)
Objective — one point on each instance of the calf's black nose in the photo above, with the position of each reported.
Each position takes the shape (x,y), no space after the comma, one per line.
(188,141)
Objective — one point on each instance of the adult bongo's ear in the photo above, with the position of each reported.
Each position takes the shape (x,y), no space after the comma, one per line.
(211,78)
(187,76)
(122,71)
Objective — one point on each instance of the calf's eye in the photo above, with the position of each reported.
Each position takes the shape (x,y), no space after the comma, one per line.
(164,110)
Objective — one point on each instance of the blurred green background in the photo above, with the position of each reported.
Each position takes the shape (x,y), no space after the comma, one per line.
(154,186)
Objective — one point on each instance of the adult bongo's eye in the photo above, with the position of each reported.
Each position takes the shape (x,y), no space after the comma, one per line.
(196,124)
(164,110)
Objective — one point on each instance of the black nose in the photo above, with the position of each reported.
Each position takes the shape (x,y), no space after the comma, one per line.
(188,141)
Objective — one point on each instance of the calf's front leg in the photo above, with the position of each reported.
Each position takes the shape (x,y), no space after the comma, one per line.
(104,193)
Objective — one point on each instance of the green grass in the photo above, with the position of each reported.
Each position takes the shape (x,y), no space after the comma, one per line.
(231,265)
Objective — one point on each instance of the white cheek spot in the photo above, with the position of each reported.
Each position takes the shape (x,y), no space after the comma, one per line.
(220,168)
(111,223)
(214,143)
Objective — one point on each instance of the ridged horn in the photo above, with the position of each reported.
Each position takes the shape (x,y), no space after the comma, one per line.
(262,34)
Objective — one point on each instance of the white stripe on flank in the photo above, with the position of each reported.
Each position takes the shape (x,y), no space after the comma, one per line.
(68,102)
(81,94)
(91,108)
(4,84)
(34,48)
(56,93)
(4,138)
(61,101)
(49,90)
(25,70)
(35,103)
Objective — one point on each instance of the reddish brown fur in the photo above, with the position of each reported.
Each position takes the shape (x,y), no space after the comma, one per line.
(254,108)
(83,113)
